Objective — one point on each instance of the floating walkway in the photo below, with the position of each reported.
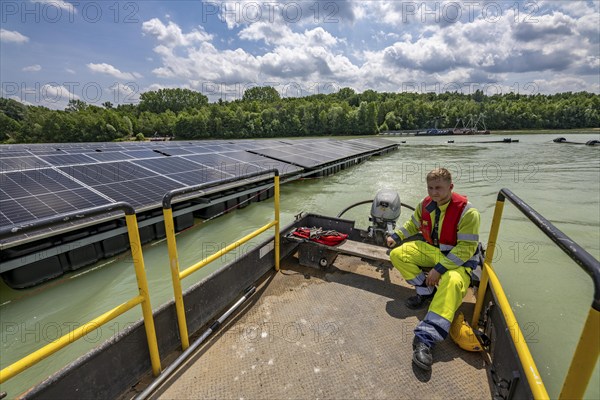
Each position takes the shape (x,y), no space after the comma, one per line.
(43,180)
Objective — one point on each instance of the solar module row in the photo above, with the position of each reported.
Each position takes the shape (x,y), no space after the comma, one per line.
(38,186)
(72,148)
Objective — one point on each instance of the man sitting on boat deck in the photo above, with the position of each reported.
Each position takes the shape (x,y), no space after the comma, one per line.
(449,225)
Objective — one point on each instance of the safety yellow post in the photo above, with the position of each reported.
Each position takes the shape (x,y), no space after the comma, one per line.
(51,348)
(140,274)
(205,261)
(489,256)
(174,264)
(530,369)
(277,222)
(584,360)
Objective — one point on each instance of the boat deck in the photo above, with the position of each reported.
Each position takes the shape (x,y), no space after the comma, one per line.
(343,332)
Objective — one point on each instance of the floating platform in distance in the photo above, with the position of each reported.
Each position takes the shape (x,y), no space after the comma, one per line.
(588,143)
(505,140)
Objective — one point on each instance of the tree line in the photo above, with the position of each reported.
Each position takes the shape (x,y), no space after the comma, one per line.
(261,112)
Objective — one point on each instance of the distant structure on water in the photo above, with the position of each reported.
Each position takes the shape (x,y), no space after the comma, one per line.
(464,126)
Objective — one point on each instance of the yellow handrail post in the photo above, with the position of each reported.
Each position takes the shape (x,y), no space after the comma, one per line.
(140,274)
(489,256)
(584,360)
(205,261)
(174,266)
(177,276)
(277,222)
(143,297)
(529,368)
(51,348)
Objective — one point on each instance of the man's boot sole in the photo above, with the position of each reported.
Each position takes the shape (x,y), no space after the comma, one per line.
(421,365)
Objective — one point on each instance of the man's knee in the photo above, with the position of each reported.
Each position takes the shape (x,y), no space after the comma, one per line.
(454,280)
(406,252)
(398,255)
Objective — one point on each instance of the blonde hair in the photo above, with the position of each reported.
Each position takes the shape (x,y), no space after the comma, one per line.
(439,173)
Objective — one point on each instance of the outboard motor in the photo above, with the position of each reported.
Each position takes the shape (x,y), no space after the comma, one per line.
(385,211)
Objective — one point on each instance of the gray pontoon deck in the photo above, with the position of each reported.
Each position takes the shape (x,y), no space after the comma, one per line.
(343,332)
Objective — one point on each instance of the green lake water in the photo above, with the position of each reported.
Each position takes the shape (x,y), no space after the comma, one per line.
(549,293)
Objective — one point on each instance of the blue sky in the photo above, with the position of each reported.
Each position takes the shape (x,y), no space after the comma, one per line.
(52,51)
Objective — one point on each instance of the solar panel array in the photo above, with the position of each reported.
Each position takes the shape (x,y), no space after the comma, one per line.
(43,180)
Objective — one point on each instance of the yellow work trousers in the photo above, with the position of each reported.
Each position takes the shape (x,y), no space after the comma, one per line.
(411,257)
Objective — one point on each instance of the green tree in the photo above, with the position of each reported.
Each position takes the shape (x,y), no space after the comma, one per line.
(10,129)
(263,94)
(12,109)
(175,100)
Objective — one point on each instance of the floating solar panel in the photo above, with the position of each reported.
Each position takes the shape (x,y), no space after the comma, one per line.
(140,193)
(35,194)
(100,174)
(40,180)
(373,143)
(169,165)
(174,151)
(296,159)
(110,156)
(21,163)
(67,159)
(124,181)
(225,165)
(265,163)
(143,153)
(15,153)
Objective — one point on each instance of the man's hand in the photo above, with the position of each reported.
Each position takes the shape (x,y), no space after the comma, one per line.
(433,277)
(390,242)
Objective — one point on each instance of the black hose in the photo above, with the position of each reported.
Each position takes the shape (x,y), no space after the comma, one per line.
(411,208)
(368,201)
(352,206)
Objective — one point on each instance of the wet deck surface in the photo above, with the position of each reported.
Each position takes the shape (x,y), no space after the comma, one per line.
(339,333)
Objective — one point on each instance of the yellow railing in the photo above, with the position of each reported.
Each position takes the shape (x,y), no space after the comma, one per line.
(142,298)
(177,276)
(588,349)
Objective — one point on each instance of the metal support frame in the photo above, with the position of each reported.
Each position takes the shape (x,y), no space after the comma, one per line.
(176,274)
(588,348)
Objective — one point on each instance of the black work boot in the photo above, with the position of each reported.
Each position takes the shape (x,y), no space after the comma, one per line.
(422,356)
(418,301)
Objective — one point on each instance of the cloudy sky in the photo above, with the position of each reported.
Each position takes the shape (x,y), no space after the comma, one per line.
(96,51)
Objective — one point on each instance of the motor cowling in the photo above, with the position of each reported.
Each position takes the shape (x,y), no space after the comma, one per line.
(385,211)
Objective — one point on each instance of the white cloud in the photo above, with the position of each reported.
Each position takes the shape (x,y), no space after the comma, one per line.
(401,51)
(298,57)
(52,96)
(12,37)
(572,8)
(32,68)
(561,83)
(70,71)
(207,64)
(171,35)
(128,94)
(289,12)
(108,69)
(278,34)
(63,5)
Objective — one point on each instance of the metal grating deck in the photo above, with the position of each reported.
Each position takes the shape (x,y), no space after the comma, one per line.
(339,334)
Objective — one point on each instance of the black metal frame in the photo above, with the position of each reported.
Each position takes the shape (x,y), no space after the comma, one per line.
(168,197)
(577,253)
(61,219)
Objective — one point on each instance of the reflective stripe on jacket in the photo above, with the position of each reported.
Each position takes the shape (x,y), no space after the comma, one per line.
(466,230)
